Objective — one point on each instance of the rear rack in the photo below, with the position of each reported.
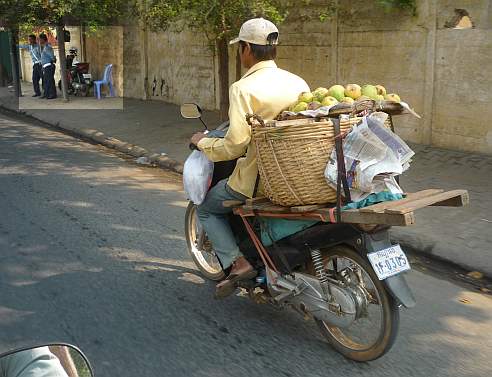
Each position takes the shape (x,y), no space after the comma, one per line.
(391,213)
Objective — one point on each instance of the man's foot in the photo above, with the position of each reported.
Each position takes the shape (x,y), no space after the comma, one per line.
(241,270)
(36,95)
(51,97)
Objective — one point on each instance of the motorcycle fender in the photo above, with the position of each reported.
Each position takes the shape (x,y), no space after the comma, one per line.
(397,284)
(398,287)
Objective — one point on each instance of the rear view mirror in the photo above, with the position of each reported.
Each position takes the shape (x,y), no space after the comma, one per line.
(190,111)
(60,360)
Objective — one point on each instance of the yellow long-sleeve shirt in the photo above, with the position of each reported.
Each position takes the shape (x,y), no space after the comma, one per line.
(264,90)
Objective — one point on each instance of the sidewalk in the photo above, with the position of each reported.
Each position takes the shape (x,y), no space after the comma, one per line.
(460,235)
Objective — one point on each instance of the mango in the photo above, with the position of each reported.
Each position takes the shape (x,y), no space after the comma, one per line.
(329,101)
(301,106)
(381,90)
(369,91)
(337,91)
(353,91)
(320,93)
(305,97)
(392,97)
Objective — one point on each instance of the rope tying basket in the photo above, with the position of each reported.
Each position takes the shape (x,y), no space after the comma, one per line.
(292,157)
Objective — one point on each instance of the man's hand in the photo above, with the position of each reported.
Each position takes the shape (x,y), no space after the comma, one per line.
(195,139)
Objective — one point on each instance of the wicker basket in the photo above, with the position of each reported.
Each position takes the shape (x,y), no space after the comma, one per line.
(292,157)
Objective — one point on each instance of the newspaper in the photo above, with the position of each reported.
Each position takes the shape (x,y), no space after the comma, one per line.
(373,157)
(375,123)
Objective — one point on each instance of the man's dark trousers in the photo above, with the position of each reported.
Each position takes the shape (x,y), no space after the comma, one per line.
(49,81)
(37,74)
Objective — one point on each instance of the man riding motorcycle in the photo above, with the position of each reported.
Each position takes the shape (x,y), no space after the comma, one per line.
(264,90)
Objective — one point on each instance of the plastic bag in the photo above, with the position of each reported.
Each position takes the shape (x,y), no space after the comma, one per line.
(197,176)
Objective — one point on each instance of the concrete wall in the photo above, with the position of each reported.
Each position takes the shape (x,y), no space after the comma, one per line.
(443,73)
(103,47)
(183,65)
(462,111)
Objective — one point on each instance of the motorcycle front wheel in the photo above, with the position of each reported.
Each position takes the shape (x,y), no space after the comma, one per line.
(374,331)
(200,248)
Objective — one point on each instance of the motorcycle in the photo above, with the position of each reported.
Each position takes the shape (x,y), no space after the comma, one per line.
(52,359)
(322,272)
(79,80)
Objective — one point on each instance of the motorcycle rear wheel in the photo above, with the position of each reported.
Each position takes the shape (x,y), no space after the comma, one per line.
(200,248)
(340,339)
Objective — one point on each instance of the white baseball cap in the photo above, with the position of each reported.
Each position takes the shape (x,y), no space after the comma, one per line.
(256,31)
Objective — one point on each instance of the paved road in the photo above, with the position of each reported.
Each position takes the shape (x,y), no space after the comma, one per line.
(92,252)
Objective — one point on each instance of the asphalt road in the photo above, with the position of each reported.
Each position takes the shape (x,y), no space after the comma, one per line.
(92,253)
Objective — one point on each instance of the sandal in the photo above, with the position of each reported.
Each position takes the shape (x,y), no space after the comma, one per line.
(227,286)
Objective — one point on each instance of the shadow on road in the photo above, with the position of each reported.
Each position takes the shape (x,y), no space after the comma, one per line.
(93,253)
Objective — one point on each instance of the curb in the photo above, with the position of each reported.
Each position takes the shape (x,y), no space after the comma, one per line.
(101,138)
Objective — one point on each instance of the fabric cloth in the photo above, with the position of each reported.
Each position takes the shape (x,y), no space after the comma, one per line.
(264,90)
(213,217)
(34,50)
(37,74)
(273,230)
(47,54)
(374,198)
(38,362)
(49,81)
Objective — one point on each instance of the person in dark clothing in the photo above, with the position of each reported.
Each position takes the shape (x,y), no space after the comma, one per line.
(37,69)
(48,63)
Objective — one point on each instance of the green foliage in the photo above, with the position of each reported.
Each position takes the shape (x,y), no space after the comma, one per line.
(217,19)
(389,5)
(53,12)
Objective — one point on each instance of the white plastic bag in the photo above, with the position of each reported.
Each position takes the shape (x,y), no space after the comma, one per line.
(197,176)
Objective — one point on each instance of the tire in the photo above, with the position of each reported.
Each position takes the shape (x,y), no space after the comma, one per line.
(209,270)
(390,316)
(84,92)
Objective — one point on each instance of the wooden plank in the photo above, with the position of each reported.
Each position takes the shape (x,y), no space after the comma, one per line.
(457,201)
(424,202)
(354,216)
(380,207)
(260,199)
(232,203)
(307,208)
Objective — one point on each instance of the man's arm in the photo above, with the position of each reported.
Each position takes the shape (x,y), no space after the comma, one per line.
(236,141)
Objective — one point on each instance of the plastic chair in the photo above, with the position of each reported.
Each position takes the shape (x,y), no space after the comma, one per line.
(107,80)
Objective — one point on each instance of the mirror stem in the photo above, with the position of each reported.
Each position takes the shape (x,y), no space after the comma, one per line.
(201,120)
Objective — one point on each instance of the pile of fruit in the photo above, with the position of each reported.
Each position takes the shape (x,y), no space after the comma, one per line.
(338,93)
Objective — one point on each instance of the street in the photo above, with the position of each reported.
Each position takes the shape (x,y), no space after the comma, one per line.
(92,252)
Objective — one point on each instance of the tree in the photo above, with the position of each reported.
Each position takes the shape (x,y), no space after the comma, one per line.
(218,20)
(58,13)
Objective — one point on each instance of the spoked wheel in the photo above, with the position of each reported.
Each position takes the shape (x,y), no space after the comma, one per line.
(374,331)
(200,248)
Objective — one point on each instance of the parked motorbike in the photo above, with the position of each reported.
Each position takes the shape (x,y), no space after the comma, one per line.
(47,360)
(79,80)
(323,272)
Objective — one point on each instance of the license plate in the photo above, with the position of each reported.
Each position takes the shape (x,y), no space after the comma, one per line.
(389,262)
(86,75)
